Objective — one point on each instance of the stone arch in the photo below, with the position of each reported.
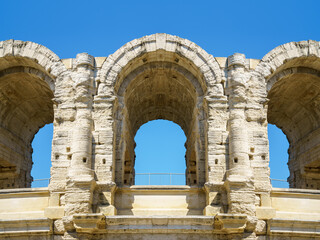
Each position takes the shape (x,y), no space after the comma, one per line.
(28,75)
(292,76)
(123,75)
(40,55)
(206,63)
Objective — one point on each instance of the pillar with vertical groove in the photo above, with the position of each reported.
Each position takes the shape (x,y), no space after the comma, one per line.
(239,183)
(81,181)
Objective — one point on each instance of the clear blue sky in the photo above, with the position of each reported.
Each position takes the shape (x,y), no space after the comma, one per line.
(101,27)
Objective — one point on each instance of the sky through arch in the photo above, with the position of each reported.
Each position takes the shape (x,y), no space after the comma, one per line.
(41,156)
(160,149)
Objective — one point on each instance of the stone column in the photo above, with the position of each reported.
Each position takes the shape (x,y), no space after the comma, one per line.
(104,149)
(200,142)
(80,183)
(239,182)
(216,150)
(64,118)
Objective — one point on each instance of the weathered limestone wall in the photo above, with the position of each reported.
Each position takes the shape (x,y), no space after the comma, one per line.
(25,213)
(223,106)
(160,200)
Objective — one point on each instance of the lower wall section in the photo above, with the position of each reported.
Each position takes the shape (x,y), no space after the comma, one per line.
(296,204)
(23,203)
(40,228)
(160,200)
(158,213)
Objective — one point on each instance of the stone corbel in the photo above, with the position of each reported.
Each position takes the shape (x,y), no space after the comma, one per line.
(213,199)
(89,222)
(106,204)
(230,223)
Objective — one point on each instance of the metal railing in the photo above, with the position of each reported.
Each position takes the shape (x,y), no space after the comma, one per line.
(160,179)
(279,183)
(43,182)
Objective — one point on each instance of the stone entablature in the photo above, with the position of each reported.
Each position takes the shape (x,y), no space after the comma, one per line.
(223,106)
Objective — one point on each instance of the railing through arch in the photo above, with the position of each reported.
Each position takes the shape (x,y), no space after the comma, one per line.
(160,179)
(43,182)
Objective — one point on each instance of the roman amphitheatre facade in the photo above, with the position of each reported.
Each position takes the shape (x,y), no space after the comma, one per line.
(97,104)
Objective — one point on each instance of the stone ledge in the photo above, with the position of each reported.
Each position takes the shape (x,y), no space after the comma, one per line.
(220,224)
(294,228)
(25,190)
(18,227)
(159,224)
(295,190)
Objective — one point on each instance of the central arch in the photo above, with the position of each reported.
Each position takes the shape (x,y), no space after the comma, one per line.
(159,77)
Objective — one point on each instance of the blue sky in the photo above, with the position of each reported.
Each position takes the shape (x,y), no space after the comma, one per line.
(101,27)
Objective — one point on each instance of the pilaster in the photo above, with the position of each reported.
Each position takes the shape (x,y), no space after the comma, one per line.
(80,183)
(239,182)
(103,149)
(217,150)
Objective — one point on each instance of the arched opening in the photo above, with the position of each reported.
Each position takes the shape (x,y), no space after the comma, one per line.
(278,154)
(160,154)
(41,156)
(294,94)
(154,87)
(26,93)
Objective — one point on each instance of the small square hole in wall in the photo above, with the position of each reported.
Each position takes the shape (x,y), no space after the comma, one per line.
(57,156)
(258,200)
(250,157)
(61,199)
(235,160)
(84,160)
(252,149)
(263,157)
(69,157)
(104,161)
(216,161)
(68,149)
